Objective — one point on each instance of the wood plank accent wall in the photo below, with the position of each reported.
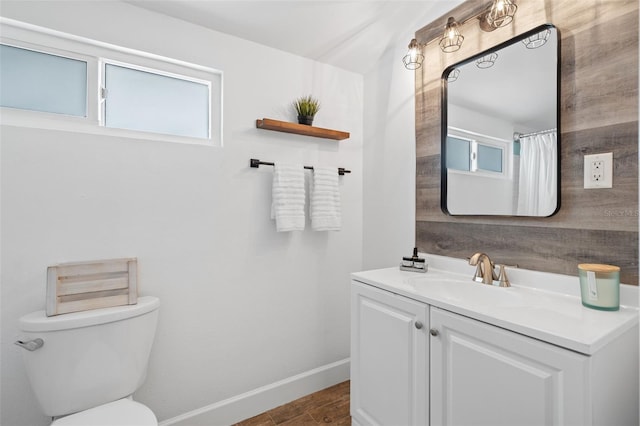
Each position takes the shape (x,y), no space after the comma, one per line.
(598,113)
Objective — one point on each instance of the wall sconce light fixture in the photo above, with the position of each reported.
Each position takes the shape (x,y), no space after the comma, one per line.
(501,13)
(414,57)
(487,61)
(451,39)
(537,40)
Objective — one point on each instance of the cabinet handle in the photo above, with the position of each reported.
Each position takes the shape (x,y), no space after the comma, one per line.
(434,332)
(418,325)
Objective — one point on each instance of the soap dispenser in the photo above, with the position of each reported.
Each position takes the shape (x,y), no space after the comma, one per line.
(414,263)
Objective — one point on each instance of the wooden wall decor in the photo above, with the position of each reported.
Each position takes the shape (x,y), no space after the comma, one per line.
(598,113)
(82,286)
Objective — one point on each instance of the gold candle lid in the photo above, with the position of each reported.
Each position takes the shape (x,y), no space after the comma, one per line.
(596,267)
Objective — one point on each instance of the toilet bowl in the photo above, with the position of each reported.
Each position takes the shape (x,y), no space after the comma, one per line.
(84,366)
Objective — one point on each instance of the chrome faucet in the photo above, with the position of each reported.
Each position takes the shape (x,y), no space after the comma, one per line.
(485,269)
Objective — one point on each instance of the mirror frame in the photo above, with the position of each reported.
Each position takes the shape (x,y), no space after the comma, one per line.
(444,122)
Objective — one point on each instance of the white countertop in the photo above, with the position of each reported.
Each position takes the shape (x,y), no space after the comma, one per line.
(555,317)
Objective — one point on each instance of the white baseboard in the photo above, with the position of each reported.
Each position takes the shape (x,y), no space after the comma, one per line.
(256,401)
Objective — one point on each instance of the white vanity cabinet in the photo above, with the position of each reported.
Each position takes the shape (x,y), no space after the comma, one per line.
(420,359)
(389,347)
(485,375)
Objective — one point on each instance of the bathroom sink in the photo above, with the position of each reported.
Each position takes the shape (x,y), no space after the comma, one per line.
(434,276)
(462,289)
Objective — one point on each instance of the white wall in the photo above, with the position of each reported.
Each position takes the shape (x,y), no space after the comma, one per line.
(390,148)
(389,160)
(479,122)
(242,305)
(494,195)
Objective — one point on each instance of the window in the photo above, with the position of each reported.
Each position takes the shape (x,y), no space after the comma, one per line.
(472,152)
(54,80)
(458,153)
(42,82)
(148,101)
(488,158)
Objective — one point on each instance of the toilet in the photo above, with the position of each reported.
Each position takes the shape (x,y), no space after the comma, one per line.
(84,366)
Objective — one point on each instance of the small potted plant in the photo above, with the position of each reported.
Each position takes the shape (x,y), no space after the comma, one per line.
(306,107)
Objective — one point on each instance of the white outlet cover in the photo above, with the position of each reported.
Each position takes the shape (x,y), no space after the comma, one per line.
(607,173)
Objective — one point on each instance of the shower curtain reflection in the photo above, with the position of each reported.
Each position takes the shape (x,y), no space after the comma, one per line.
(538,187)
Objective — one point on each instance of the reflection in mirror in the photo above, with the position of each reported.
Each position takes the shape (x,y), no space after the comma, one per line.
(500,120)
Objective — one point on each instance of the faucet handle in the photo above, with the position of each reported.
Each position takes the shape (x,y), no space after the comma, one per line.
(504,281)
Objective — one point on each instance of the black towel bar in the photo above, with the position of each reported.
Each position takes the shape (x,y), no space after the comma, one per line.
(257,163)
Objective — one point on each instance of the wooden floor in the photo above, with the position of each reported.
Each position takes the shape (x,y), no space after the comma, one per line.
(329,405)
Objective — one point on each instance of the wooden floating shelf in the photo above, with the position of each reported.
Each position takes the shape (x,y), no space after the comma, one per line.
(300,129)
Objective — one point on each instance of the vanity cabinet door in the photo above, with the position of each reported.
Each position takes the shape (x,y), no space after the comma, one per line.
(484,375)
(389,365)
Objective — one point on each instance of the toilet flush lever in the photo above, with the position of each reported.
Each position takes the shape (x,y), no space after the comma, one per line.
(30,345)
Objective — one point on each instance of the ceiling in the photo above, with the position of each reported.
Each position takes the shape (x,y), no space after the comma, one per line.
(352,35)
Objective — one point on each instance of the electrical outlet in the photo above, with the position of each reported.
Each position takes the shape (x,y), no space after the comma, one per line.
(598,170)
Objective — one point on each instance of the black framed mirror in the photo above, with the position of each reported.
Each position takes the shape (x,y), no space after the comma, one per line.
(500,129)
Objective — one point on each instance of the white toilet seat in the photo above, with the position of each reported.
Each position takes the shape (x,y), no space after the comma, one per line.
(123,412)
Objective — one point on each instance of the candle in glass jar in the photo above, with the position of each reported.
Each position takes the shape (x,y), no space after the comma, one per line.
(600,286)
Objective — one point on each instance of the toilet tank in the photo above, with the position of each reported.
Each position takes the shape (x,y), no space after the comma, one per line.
(89,358)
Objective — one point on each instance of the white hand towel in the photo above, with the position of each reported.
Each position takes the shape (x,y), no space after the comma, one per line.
(287,206)
(325,209)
